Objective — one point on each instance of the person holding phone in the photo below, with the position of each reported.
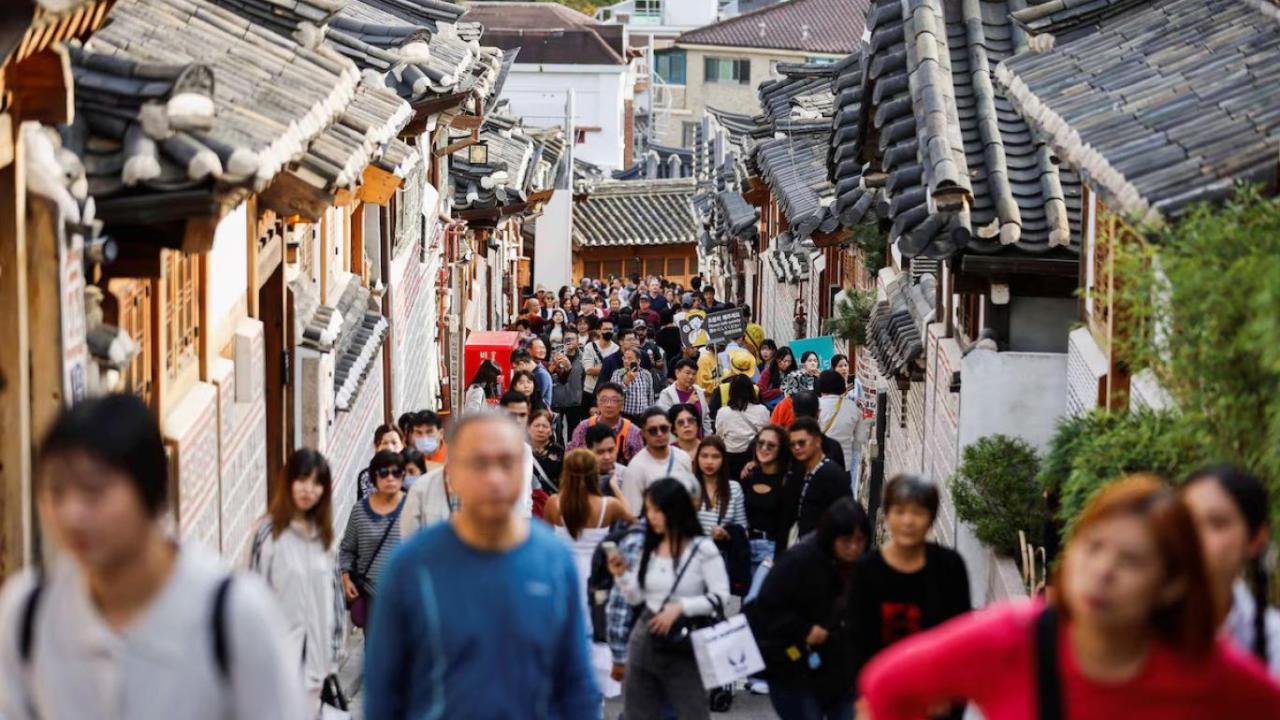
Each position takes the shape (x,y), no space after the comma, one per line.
(637,384)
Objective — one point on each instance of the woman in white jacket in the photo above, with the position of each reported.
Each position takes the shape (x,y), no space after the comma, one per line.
(680,575)
(293,550)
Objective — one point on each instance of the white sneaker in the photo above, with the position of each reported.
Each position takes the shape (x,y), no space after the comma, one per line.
(758,687)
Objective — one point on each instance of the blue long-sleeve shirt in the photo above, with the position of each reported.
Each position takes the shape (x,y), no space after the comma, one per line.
(458,632)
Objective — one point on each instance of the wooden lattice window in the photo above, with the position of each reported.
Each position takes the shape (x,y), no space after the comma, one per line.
(181,277)
(133,316)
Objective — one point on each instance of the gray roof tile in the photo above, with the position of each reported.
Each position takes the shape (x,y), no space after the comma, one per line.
(1163,104)
(636,212)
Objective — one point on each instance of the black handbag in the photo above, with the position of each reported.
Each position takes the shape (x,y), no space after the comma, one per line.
(331,694)
(1049,699)
(679,637)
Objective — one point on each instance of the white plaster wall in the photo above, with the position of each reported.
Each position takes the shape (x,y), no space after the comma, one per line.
(228,264)
(553,243)
(1009,393)
(537,93)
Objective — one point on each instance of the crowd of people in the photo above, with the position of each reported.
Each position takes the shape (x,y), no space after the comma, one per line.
(593,506)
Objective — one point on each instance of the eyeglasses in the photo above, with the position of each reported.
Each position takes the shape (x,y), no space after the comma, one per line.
(386,472)
(479,464)
(799,443)
(766,445)
(610,400)
(686,421)
(657,430)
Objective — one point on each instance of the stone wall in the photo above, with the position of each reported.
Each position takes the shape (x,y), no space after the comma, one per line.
(191,430)
(413,348)
(350,442)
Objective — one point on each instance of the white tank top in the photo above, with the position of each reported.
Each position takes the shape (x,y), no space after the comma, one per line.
(584,547)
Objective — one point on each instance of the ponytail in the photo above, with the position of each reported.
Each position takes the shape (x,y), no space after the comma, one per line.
(1260,588)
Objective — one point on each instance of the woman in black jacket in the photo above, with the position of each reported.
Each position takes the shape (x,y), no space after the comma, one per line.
(800,618)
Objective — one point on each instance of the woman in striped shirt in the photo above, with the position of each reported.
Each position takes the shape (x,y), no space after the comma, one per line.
(373,528)
(722,502)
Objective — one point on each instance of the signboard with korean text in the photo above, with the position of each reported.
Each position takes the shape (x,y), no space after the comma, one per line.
(726,325)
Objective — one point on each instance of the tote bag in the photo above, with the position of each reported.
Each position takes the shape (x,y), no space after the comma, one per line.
(726,652)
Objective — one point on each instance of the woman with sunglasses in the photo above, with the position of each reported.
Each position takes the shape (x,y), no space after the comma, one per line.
(373,530)
(762,491)
(686,422)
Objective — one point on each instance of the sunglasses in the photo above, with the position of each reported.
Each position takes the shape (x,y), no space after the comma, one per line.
(686,421)
(657,430)
(385,472)
(766,445)
(799,443)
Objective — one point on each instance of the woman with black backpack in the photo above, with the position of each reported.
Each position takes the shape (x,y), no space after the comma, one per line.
(682,584)
(800,622)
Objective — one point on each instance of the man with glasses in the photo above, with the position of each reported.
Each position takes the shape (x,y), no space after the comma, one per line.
(815,484)
(486,595)
(658,460)
(609,399)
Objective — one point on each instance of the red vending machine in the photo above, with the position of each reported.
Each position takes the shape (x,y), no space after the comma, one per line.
(495,346)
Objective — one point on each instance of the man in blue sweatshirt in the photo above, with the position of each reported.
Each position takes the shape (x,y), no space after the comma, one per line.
(479,617)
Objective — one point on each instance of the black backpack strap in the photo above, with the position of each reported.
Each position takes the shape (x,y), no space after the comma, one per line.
(221,649)
(1048,680)
(27,631)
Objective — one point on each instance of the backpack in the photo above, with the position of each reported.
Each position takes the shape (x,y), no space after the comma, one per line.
(600,581)
(217,619)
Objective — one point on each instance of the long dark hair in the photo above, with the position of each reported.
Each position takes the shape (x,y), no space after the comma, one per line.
(775,372)
(302,464)
(671,499)
(741,392)
(1250,497)
(487,377)
(721,478)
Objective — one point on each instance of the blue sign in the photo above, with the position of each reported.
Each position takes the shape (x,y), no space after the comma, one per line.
(825,346)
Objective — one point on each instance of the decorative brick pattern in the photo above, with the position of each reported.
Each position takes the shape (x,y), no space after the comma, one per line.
(350,442)
(242,443)
(192,429)
(413,345)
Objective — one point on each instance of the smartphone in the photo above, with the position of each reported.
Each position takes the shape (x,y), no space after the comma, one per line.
(610,549)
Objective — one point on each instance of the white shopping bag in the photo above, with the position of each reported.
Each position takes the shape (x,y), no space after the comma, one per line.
(726,652)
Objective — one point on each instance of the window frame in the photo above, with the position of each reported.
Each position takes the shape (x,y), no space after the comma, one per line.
(739,74)
(671,56)
(181,311)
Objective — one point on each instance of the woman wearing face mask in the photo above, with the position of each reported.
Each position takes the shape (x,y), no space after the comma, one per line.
(548,456)
(800,622)
(292,549)
(415,466)
(1130,633)
(805,377)
(1229,506)
(372,535)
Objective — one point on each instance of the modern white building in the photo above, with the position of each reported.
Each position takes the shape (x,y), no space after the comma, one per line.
(560,50)
(661,18)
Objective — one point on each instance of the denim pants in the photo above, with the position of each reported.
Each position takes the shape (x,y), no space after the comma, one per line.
(761,551)
(801,703)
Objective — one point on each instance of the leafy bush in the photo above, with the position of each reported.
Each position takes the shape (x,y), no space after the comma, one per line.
(1111,445)
(1071,431)
(871,241)
(995,490)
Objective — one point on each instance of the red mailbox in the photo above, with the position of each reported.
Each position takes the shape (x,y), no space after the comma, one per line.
(495,346)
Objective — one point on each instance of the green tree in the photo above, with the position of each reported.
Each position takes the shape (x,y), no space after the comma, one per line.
(1203,299)
(995,491)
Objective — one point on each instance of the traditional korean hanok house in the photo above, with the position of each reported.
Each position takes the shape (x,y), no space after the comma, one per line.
(369,267)
(983,233)
(500,183)
(644,227)
(186,112)
(46,229)
(1159,105)
(791,266)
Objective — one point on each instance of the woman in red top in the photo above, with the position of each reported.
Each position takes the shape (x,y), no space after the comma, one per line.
(1132,632)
